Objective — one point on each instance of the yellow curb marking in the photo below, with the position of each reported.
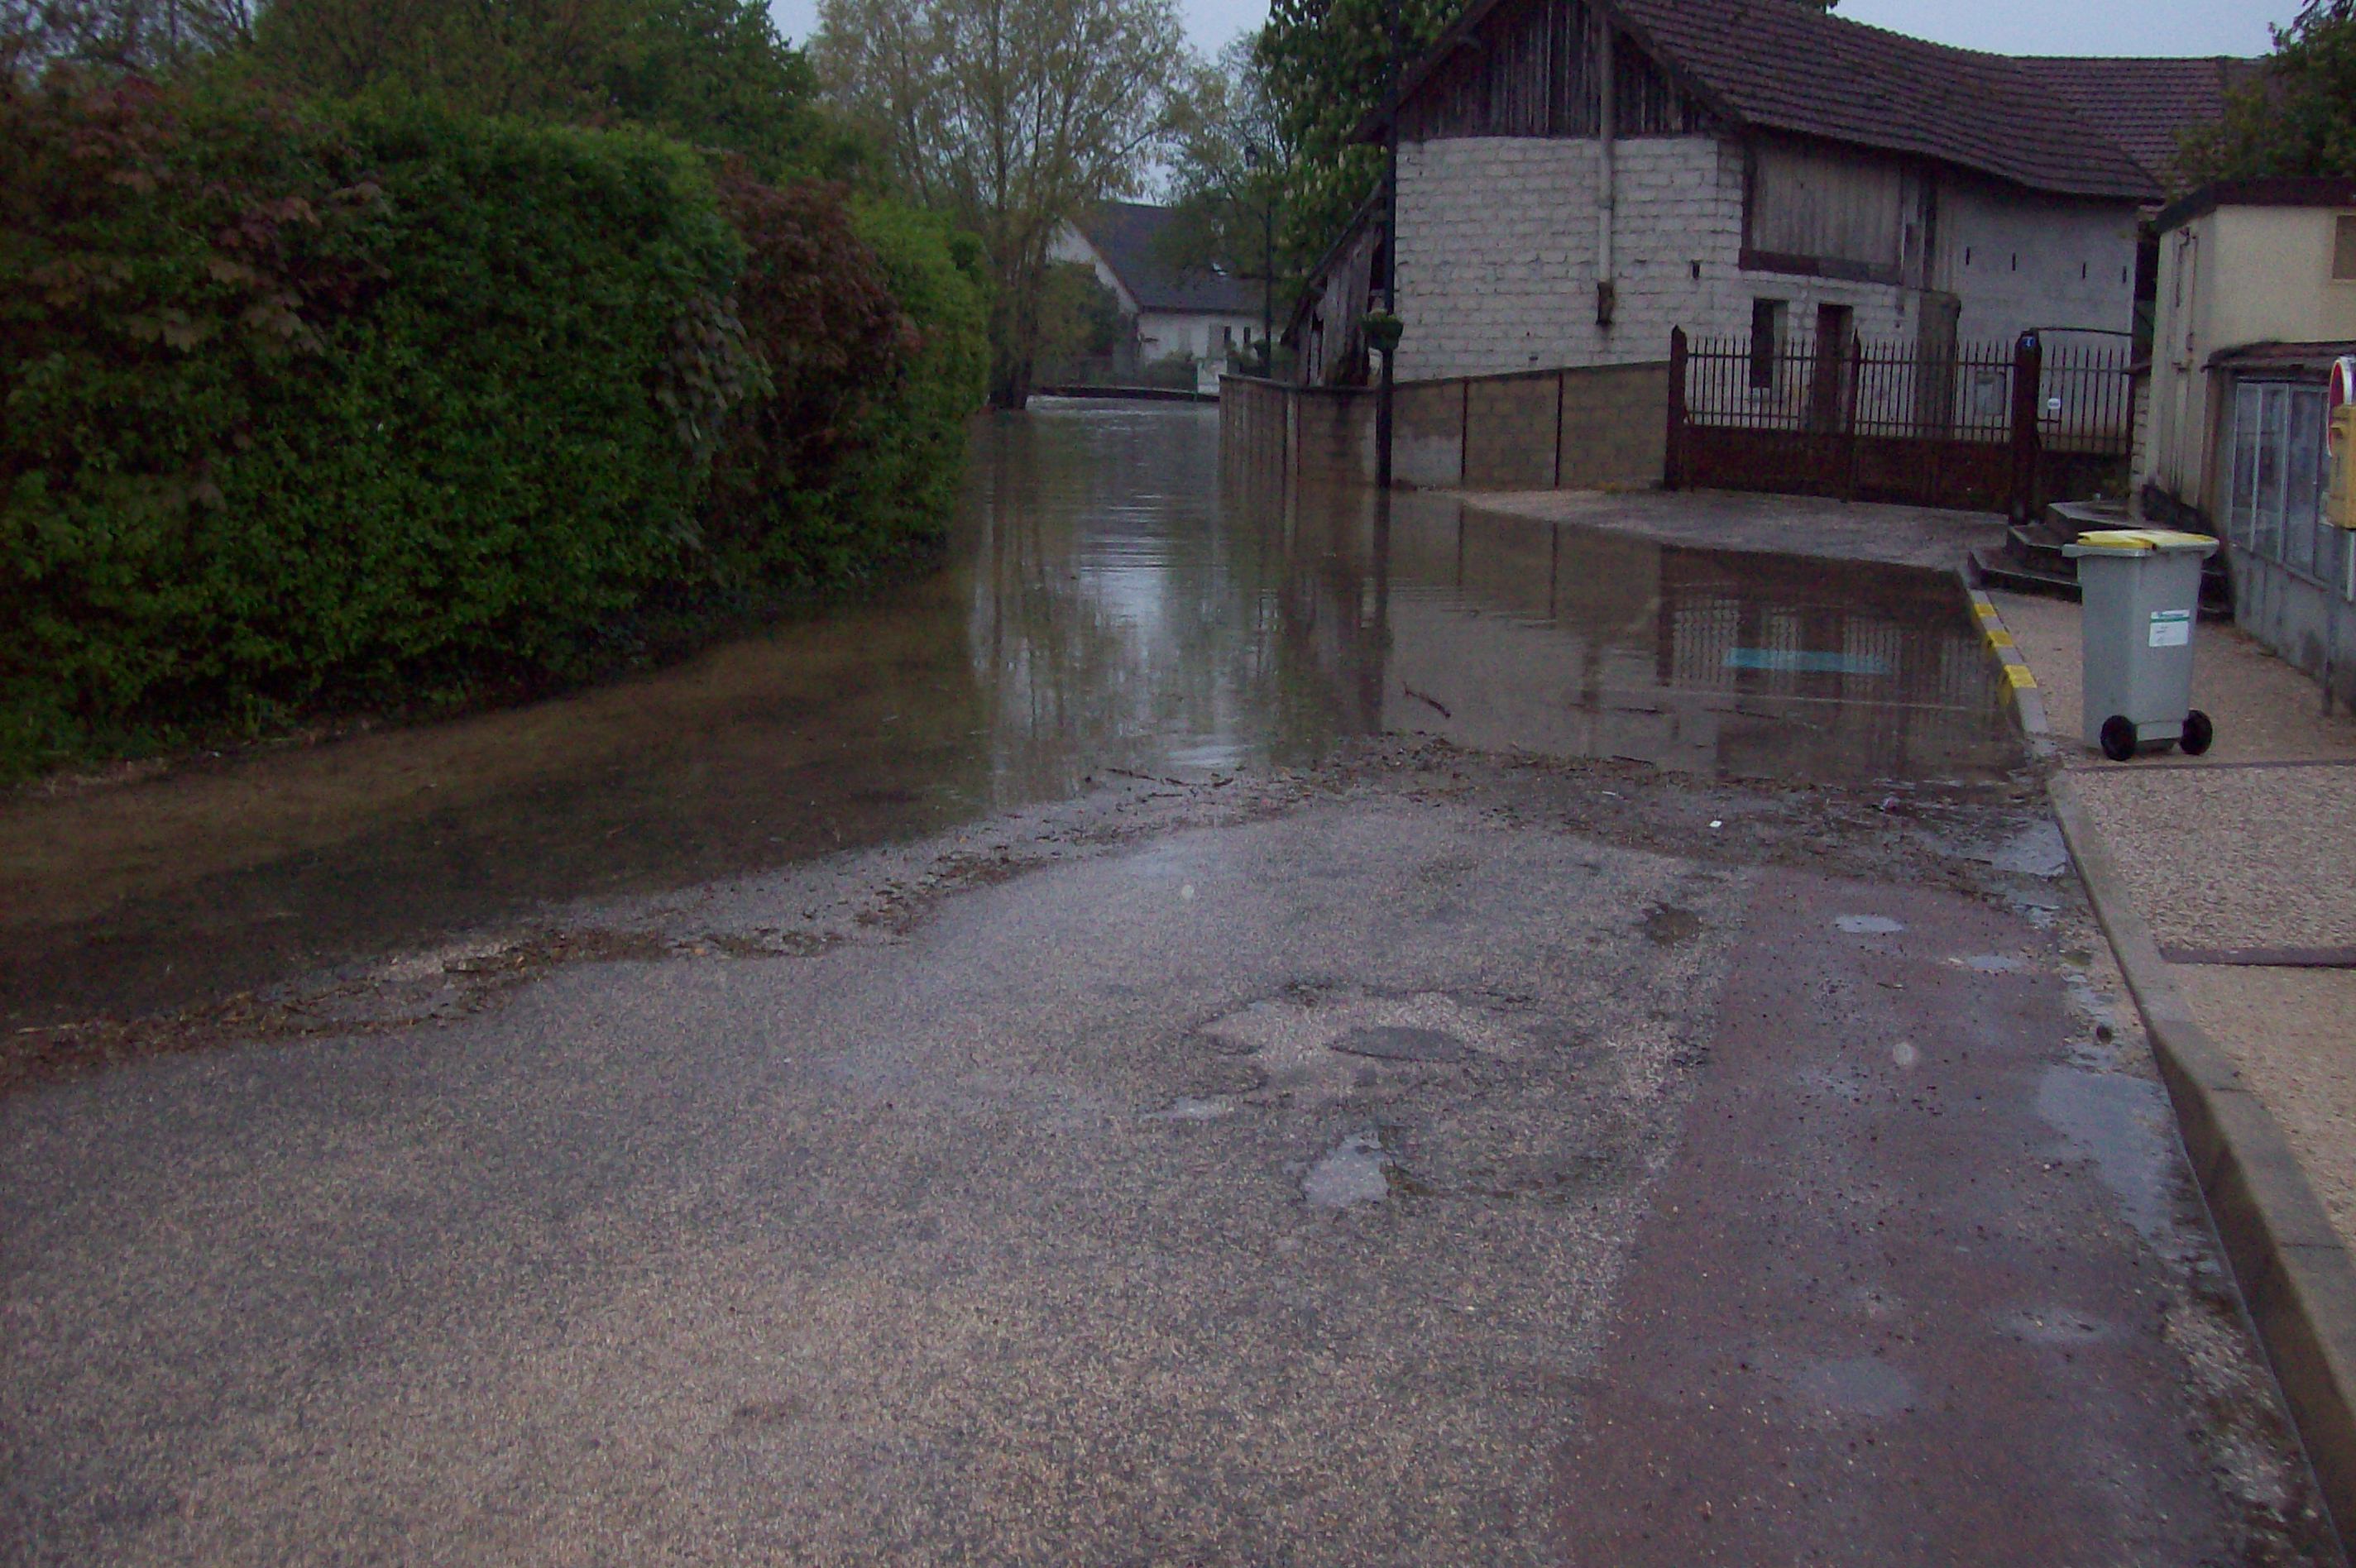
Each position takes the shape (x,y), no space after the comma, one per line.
(1998,637)
(2018,675)
(1985,609)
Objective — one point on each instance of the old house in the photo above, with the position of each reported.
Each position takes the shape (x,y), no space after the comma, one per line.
(1578,177)
(1172,311)
(2256,299)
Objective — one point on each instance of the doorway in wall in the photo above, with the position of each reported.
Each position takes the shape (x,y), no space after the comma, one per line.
(1835,325)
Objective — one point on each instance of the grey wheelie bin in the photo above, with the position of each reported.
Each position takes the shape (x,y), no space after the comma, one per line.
(2142,590)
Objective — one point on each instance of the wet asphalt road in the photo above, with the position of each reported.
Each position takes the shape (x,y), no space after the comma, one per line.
(1421,1160)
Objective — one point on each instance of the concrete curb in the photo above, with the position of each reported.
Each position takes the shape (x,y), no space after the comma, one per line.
(2028,702)
(2297,1278)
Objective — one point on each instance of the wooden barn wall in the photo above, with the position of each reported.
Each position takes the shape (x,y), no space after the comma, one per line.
(1826,202)
(1531,71)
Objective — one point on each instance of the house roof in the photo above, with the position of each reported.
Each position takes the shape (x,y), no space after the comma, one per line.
(2280,190)
(1777,65)
(2144,105)
(1132,237)
(2303,361)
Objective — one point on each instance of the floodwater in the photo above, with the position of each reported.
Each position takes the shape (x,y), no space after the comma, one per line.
(1113,604)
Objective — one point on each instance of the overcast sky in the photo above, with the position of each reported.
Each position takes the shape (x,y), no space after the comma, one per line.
(2010,26)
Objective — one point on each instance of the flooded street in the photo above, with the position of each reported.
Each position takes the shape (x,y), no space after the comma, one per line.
(1112,606)
(1224,1026)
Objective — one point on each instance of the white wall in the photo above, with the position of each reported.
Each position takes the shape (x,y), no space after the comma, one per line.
(2020,260)
(2228,279)
(1497,241)
(1163,335)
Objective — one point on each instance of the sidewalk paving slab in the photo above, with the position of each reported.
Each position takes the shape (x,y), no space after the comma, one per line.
(1742,520)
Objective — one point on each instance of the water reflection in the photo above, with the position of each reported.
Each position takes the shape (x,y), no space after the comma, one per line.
(1112,601)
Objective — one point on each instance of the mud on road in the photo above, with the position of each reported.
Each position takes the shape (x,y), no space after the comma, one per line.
(1426,1159)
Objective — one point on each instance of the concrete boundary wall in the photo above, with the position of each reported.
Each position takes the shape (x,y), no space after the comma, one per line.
(1600,427)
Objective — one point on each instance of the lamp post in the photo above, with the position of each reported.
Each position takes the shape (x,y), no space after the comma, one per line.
(1253,158)
(1390,247)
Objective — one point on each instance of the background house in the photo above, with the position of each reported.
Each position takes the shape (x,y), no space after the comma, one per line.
(2256,298)
(1170,311)
(1578,177)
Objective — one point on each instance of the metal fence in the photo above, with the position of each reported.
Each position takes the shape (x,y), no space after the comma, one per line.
(1967,425)
(2083,391)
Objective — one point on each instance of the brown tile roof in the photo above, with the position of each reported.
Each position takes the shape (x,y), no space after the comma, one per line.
(2144,105)
(1778,65)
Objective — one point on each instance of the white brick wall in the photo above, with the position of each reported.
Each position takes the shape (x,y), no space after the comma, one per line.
(1497,258)
(2020,260)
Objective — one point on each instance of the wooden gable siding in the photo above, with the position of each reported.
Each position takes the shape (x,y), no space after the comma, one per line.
(1836,212)
(1530,69)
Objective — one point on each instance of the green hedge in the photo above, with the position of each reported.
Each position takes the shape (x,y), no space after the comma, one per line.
(374,407)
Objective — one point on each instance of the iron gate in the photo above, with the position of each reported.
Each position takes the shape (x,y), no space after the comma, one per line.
(1984,428)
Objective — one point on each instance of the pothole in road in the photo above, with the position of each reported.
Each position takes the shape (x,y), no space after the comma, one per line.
(2036,851)
(1667,925)
(1326,1045)
(1355,1171)
(1187,1108)
(1393,1043)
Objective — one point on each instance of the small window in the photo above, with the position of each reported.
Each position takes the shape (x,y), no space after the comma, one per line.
(2343,249)
(1766,340)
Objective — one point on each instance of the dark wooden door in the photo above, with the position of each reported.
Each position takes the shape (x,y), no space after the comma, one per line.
(1934,365)
(1835,325)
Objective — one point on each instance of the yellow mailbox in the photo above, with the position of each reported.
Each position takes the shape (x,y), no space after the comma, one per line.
(2343,466)
(2340,441)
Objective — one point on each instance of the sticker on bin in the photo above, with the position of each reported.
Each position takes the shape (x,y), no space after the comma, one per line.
(2171,628)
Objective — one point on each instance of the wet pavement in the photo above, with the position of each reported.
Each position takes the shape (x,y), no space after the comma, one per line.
(1355,1038)
(1419,1159)
(1111,607)
(1922,1288)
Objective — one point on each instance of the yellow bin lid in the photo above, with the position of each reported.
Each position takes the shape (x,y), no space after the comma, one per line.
(2144,538)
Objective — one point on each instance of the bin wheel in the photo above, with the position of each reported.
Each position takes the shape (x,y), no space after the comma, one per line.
(2198,733)
(2118,738)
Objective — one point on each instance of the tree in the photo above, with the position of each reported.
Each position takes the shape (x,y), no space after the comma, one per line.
(714,73)
(2298,117)
(539,58)
(146,36)
(1080,323)
(1011,116)
(1228,168)
(1324,66)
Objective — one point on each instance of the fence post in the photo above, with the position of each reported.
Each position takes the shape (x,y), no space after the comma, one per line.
(1672,474)
(1464,435)
(1560,377)
(1848,414)
(2027,376)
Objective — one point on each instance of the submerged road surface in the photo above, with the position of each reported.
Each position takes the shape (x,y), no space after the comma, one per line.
(1393,1150)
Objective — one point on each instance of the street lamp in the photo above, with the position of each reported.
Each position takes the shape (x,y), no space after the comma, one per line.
(1390,252)
(1254,156)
